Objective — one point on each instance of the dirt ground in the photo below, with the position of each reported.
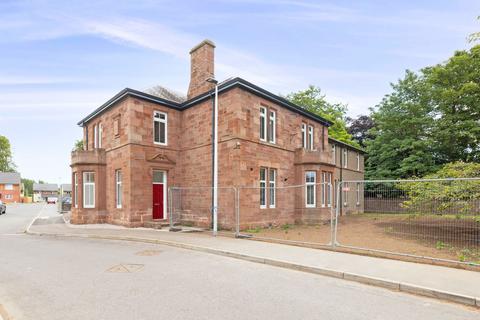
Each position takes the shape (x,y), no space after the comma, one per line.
(446,238)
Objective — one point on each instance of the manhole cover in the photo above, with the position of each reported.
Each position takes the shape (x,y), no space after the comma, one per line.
(125,268)
(148,253)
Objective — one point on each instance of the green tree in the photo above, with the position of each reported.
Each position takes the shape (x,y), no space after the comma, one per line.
(314,101)
(454,92)
(445,196)
(28,186)
(6,162)
(78,145)
(401,143)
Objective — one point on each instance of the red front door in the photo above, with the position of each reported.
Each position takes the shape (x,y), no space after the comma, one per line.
(158,201)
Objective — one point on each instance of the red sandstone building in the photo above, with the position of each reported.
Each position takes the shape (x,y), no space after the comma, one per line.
(137,145)
(10,187)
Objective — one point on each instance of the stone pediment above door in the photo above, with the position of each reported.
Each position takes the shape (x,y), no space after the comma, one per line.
(160,158)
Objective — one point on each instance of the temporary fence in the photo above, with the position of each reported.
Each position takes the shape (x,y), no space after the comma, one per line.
(435,219)
(191,208)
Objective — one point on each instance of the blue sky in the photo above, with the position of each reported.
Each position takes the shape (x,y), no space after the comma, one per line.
(59,60)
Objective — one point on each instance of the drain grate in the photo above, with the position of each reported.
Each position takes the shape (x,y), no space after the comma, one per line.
(125,268)
(148,253)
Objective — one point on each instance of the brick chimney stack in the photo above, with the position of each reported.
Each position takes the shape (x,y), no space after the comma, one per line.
(201,68)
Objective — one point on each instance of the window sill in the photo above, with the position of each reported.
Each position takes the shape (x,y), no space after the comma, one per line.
(160,144)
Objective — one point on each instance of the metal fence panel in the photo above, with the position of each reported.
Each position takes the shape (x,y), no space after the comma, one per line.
(296,214)
(438,218)
(191,208)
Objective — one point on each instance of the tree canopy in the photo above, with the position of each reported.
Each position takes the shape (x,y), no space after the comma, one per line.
(313,100)
(6,161)
(431,118)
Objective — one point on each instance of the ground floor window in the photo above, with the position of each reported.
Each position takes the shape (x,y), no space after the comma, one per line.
(345,189)
(8,197)
(310,189)
(75,190)
(263,190)
(118,188)
(272,175)
(89,190)
(358,193)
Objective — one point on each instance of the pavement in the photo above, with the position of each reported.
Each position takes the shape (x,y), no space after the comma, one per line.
(449,284)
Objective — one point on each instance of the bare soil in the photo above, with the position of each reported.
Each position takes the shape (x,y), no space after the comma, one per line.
(428,237)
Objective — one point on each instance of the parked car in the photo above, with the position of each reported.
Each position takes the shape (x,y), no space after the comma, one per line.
(3,208)
(52,200)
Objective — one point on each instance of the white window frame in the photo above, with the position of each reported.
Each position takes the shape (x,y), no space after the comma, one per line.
(329,195)
(9,186)
(345,158)
(88,184)
(304,136)
(118,189)
(310,137)
(272,173)
(358,161)
(263,187)
(164,121)
(345,188)
(100,134)
(263,120)
(95,136)
(334,154)
(272,126)
(358,193)
(75,190)
(310,184)
(323,190)
(8,197)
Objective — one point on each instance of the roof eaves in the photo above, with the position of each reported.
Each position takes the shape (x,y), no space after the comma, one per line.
(259,91)
(124,93)
(347,145)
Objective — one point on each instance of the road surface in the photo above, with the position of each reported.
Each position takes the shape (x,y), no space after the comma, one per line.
(58,278)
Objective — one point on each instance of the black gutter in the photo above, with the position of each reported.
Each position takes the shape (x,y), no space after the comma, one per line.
(223,87)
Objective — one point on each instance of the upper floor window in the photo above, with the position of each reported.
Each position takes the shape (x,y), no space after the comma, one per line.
(100,135)
(263,123)
(116,126)
(271,126)
(304,135)
(160,128)
(358,161)
(95,136)
(345,158)
(267,128)
(334,154)
(310,137)
(9,186)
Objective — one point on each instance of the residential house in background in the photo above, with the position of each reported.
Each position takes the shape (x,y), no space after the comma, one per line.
(136,145)
(41,191)
(10,187)
(65,190)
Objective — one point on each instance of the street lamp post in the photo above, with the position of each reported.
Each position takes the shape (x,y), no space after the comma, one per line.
(215,158)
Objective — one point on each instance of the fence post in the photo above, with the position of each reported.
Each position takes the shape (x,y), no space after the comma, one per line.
(170,206)
(337,211)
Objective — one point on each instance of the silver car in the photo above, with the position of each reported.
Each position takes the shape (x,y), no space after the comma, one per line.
(3,208)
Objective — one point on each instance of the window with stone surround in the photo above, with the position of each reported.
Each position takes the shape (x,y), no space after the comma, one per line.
(9,186)
(268,128)
(263,190)
(89,190)
(304,136)
(116,126)
(310,137)
(95,136)
(272,126)
(310,189)
(272,176)
(118,188)
(263,124)
(358,161)
(100,134)
(345,158)
(160,122)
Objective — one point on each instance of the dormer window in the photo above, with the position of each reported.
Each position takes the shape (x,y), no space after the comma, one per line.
(160,128)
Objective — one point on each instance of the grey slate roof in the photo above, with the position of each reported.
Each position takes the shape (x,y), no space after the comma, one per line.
(44,187)
(343,144)
(66,187)
(10,178)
